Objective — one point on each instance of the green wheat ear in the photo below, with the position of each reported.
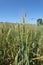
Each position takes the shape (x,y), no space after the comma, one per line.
(23,19)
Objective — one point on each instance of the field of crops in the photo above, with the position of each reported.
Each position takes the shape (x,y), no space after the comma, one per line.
(21,44)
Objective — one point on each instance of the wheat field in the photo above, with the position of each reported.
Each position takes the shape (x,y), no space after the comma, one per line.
(21,44)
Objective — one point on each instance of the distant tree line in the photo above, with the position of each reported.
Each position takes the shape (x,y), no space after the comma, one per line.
(39,21)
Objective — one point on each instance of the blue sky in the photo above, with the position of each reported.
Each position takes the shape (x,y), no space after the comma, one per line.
(13,10)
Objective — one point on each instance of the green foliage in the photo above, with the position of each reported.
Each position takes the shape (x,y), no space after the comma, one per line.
(39,22)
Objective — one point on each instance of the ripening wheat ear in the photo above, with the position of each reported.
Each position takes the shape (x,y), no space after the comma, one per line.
(8,34)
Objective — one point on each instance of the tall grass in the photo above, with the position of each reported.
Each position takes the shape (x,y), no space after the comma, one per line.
(20,44)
